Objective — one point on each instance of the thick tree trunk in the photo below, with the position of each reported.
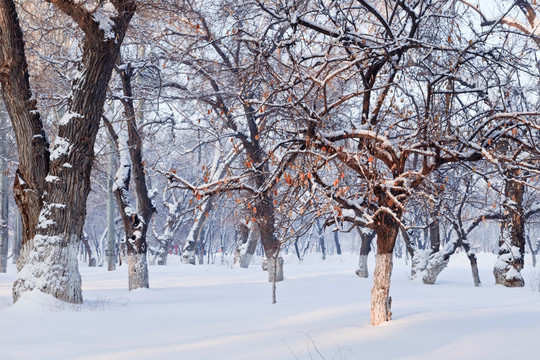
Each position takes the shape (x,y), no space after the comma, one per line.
(365,249)
(380,293)
(137,270)
(510,261)
(4,199)
(111,227)
(51,188)
(266,223)
(387,231)
(33,154)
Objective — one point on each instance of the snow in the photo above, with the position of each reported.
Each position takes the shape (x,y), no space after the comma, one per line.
(61,147)
(213,312)
(51,178)
(103,16)
(68,117)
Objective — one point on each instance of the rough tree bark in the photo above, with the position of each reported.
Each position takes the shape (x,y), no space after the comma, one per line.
(4,198)
(387,225)
(51,188)
(131,163)
(507,270)
(386,230)
(111,227)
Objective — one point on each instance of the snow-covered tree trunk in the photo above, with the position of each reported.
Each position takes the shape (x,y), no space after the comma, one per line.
(275,269)
(194,235)
(111,228)
(507,270)
(246,244)
(4,198)
(51,188)
(92,261)
(135,221)
(172,224)
(366,237)
(428,263)
(163,252)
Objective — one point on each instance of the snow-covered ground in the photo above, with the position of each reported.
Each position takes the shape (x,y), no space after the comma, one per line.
(213,312)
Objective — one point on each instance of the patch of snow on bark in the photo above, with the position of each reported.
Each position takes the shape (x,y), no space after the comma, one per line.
(103,16)
(61,147)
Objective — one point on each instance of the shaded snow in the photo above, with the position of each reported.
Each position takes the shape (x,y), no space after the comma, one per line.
(213,312)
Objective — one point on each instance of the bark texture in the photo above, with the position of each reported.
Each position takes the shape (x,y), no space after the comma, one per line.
(386,229)
(380,298)
(51,188)
(507,270)
(135,222)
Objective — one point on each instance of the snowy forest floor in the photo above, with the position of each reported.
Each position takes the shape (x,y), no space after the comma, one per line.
(322,312)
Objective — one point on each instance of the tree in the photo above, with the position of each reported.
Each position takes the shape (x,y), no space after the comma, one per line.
(510,261)
(51,187)
(380,111)
(4,194)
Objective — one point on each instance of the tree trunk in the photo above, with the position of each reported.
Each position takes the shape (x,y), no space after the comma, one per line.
(365,249)
(474,269)
(275,273)
(533,253)
(386,230)
(163,253)
(510,260)
(380,293)
(246,244)
(336,241)
(271,245)
(111,231)
(194,235)
(51,188)
(131,161)
(91,256)
(4,199)
(320,238)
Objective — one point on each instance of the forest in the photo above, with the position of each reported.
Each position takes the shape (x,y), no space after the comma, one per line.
(137,133)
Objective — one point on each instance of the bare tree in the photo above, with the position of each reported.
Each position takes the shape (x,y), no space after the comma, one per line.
(51,187)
